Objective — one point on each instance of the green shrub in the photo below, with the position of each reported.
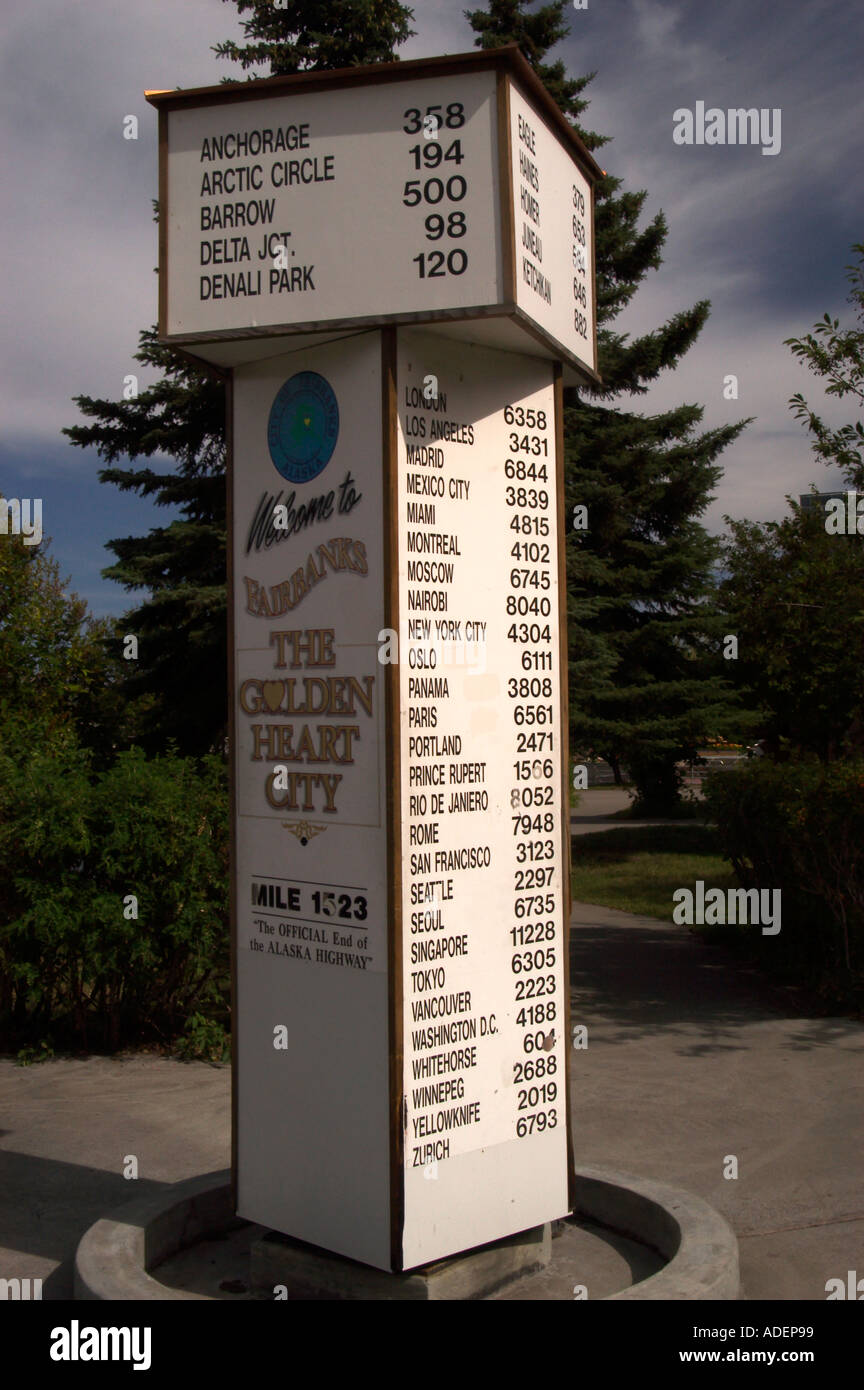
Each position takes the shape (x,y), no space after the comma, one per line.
(204,1040)
(77,846)
(42,1053)
(799,826)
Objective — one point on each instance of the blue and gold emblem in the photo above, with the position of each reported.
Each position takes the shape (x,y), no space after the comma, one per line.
(303,427)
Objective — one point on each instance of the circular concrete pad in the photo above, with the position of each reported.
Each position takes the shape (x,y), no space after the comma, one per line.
(642,1224)
(700,1247)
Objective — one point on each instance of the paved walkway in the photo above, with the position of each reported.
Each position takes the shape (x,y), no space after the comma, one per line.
(597,806)
(66,1128)
(688,1061)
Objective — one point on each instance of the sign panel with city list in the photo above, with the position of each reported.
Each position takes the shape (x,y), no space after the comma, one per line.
(438,191)
(555,252)
(319,207)
(482,801)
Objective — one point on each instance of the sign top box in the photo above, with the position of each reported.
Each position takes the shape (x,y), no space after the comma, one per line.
(449,192)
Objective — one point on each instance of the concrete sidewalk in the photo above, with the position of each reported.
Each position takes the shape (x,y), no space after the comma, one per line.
(688,1061)
(597,806)
(66,1128)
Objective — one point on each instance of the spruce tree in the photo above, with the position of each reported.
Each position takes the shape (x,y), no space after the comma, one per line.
(299,35)
(179,679)
(646,680)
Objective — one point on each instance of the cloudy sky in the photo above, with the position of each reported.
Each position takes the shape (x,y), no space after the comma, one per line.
(765,238)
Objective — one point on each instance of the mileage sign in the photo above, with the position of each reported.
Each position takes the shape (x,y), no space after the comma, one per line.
(482,800)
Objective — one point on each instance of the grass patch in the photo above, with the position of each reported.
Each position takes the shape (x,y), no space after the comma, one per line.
(637,869)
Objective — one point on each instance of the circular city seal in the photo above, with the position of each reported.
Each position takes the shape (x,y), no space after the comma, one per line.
(303,427)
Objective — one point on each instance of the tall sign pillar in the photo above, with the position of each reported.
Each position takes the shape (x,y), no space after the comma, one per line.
(395,265)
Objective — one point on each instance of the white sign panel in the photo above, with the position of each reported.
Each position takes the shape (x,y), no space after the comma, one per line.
(311,859)
(554,232)
(485,1111)
(333,205)
(476,816)
(447,189)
